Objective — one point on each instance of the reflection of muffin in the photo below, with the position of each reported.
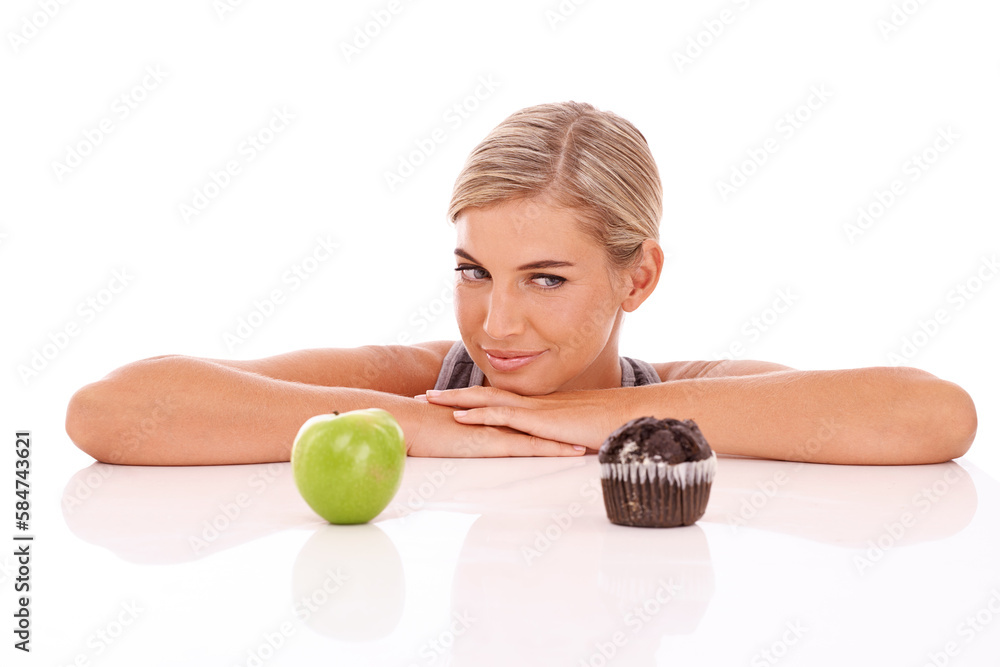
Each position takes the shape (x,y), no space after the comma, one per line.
(656,472)
(641,569)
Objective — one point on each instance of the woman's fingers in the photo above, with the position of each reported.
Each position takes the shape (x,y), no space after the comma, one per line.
(540,424)
(524,444)
(501,415)
(492,442)
(477,441)
(442,435)
(471,397)
(574,417)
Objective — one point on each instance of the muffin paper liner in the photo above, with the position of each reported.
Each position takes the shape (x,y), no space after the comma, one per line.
(657,494)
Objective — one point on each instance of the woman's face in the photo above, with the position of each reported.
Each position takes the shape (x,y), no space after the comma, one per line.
(530,283)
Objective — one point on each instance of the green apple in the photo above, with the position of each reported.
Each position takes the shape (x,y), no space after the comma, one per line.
(349,466)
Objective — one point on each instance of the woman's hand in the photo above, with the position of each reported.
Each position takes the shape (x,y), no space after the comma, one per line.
(581,417)
(439,435)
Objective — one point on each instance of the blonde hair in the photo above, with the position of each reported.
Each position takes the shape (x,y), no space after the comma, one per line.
(581,158)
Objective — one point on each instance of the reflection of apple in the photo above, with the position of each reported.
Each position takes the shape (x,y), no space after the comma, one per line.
(349,466)
(348,583)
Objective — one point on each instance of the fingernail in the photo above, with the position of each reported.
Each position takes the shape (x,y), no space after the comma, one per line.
(433,392)
(420,397)
(460,413)
(579,448)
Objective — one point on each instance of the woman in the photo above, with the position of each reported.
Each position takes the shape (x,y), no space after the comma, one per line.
(557,218)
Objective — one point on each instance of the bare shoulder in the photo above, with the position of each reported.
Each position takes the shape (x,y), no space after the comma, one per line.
(687,370)
(439,348)
(424,361)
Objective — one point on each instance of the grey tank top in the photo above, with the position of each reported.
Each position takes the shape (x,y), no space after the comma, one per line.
(459,370)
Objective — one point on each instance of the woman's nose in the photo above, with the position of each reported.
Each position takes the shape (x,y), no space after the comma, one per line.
(504,317)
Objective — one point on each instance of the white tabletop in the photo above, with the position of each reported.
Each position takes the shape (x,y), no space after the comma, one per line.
(513,561)
(171,232)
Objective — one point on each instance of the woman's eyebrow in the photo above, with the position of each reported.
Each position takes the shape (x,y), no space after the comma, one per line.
(541,264)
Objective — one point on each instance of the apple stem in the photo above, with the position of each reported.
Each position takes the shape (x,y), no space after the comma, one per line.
(336,413)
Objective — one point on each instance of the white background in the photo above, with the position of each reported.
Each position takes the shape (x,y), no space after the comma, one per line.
(891,90)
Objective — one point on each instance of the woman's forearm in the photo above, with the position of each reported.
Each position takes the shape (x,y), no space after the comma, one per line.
(858,416)
(179,410)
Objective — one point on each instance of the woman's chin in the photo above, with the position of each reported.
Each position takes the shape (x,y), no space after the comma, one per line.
(522,387)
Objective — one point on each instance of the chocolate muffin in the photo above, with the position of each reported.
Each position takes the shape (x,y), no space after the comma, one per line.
(656,473)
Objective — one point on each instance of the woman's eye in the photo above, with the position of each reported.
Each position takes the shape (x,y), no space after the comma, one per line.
(552,282)
(559,281)
(463,269)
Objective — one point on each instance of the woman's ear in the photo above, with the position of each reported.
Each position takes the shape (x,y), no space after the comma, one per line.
(643,278)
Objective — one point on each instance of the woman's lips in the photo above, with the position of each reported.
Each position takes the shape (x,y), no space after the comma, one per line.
(511,363)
